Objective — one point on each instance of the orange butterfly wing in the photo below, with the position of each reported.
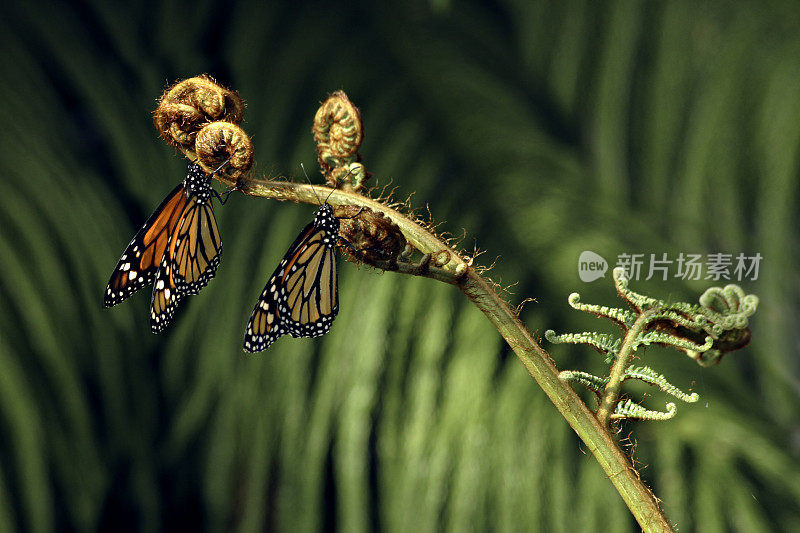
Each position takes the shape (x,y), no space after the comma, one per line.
(141,259)
(190,261)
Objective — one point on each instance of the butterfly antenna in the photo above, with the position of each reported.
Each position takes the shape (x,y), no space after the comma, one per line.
(329,195)
(344,178)
(309,182)
(222,165)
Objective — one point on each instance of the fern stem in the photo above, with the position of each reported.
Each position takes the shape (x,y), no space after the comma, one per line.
(414,233)
(617,375)
(642,503)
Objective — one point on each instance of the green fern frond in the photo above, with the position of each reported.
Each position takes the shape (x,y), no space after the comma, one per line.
(622,316)
(594,383)
(629,409)
(704,332)
(639,301)
(648,375)
(603,342)
(658,337)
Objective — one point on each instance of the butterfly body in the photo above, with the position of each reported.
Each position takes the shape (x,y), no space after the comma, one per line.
(301,298)
(198,184)
(177,250)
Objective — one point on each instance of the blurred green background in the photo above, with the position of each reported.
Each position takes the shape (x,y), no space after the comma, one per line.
(541,128)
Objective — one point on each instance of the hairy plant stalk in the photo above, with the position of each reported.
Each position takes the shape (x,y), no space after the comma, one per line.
(639,499)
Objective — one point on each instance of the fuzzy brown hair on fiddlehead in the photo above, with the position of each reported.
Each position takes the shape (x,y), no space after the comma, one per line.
(201,118)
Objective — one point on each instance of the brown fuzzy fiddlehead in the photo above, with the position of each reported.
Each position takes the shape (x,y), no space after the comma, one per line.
(201,118)
(338,132)
(218,142)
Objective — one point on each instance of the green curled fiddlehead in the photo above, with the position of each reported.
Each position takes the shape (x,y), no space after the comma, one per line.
(705,332)
(621,316)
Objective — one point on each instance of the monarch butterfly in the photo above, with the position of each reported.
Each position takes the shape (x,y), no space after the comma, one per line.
(302,295)
(177,250)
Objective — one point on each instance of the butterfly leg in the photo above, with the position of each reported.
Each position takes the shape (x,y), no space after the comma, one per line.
(341,241)
(229,191)
(226,193)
